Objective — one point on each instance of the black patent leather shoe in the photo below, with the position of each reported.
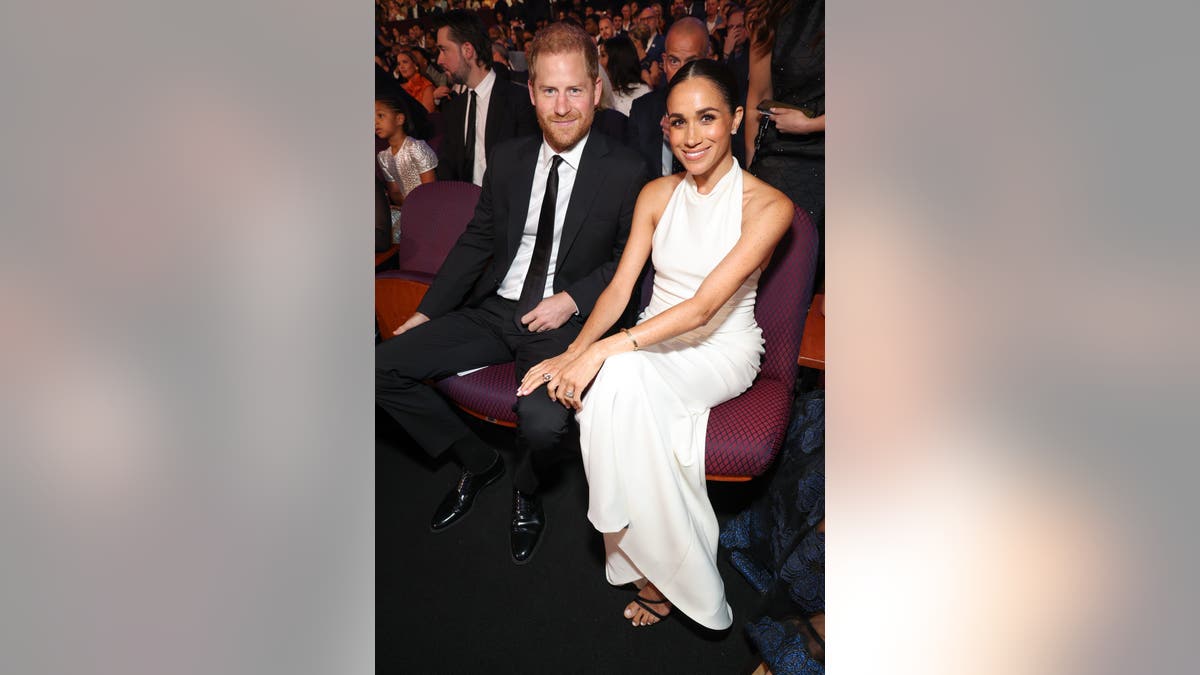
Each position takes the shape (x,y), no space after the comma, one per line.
(528,523)
(458,501)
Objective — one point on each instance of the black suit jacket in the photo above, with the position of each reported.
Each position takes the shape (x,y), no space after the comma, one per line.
(644,132)
(594,232)
(510,115)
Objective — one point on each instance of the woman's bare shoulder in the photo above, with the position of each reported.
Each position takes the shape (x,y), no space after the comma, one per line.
(661,188)
(760,199)
(657,192)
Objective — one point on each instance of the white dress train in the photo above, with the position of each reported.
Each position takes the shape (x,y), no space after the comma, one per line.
(645,417)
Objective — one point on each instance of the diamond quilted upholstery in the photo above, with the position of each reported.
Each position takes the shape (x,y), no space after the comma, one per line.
(487,393)
(745,433)
(433,217)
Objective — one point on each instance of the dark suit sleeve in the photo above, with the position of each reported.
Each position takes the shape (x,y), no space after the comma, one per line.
(467,260)
(587,290)
(451,149)
(637,137)
(524,113)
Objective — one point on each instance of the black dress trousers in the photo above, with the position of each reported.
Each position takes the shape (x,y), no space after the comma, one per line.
(461,340)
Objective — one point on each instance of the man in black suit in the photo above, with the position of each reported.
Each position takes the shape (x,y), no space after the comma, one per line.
(491,110)
(548,231)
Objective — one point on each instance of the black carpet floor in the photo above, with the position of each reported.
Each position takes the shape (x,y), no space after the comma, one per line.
(454,602)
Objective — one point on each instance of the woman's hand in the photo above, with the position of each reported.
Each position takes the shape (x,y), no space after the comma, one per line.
(567,386)
(792,121)
(536,376)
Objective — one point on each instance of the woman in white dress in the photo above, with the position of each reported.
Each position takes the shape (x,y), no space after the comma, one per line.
(644,417)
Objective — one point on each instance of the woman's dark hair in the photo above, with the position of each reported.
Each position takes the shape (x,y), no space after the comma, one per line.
(400,106)
(762,16)
(624,69)
(717,73)
(466,27)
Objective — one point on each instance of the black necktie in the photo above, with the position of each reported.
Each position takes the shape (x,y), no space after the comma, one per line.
(470,154)
(535,276)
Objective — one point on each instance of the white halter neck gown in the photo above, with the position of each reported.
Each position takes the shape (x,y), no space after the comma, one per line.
(644,419)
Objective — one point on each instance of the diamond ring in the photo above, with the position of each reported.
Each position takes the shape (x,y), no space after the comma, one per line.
(570,393)
(547,377)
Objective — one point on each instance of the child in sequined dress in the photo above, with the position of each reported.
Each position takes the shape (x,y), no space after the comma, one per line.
(406,162)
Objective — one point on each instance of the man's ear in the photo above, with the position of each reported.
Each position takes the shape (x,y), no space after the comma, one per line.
(599,92)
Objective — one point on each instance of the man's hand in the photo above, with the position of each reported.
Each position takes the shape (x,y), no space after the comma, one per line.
(733,38)
(550,313)
(441,92)
(413,321)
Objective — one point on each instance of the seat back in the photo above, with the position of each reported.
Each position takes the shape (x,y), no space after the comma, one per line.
(745,433)
(433,217)
(784,294)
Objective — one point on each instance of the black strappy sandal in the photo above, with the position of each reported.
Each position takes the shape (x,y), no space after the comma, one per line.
(645,603)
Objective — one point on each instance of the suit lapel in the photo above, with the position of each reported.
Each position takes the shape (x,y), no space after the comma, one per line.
(522,185)
(587,185)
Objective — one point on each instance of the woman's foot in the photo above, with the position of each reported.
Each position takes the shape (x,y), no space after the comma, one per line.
(648,608)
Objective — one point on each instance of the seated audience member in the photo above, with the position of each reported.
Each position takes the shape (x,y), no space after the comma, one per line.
(415,83)
(406,162)
(643,395)
(645,30)
(686,41)
(418,39)
(713,19)
(735,48)
(504,69)
(605,25)
(678,10)
(624,72)
(505,292)
(489,111)
(618,25)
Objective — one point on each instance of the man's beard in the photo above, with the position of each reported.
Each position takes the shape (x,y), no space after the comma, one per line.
(640,32)
(563,138)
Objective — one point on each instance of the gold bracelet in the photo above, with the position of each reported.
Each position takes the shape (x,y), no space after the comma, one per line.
(630,336)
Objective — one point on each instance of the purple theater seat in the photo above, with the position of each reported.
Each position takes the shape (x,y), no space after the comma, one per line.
(433,217)
(486,394)
(745,433)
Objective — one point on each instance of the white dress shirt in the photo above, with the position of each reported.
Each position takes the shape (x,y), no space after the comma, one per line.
(483,95)
(514,281)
